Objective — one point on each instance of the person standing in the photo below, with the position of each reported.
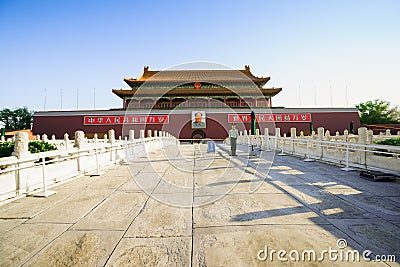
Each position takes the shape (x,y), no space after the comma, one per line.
(233,135)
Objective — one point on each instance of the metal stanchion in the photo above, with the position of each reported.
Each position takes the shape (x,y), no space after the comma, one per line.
(45,192)
(282,149)
(97,172)
(308,159)
(347,168)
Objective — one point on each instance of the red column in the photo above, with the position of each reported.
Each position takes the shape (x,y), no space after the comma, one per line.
(170,102)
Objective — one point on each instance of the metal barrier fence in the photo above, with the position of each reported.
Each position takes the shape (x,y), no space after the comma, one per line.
(347,154)
(35,173)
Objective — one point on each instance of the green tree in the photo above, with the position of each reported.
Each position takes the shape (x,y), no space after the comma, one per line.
(17,119)
(378,112)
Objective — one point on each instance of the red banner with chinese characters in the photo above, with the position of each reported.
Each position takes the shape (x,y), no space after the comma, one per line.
(132,119)
(284,117)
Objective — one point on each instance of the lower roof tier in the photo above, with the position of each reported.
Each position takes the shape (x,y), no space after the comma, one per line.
(180,92)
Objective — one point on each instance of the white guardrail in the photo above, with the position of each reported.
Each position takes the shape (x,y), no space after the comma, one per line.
(35,173)
(347,154)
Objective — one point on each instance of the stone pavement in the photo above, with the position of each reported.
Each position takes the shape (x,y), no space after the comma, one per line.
(187,207)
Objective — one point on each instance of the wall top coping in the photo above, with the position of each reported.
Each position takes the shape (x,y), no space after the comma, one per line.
(188,111)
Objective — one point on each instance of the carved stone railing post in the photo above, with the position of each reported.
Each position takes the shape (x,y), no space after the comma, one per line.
(79,139)
(346,135)
(293,135)
(328,135)
(21,150)
(362,139)
(66,141)
(111,141)
(370,137)
(320,147)
(131,135)
(111,136)
(79,144)
(21,145)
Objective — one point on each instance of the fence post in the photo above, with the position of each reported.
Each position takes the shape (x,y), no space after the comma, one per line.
(278,136)
(347,168)
(97,172)
(266,137)
(308,159)
(45,193)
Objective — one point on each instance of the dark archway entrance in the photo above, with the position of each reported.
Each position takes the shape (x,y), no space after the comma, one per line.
(197,135)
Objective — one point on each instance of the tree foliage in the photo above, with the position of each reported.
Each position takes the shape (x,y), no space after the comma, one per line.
(378,112)
(6,148)
(17,119)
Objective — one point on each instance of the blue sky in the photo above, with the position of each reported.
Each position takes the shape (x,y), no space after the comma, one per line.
(313,49)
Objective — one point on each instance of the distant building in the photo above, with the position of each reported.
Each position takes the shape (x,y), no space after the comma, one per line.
(169,100)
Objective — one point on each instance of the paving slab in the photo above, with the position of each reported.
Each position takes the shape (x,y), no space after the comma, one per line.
(171,251)
(248,183)
(241,246)
(31,206)
(380,206)
(253,209)
(114,213)
(327,204)
(182,199)
(130,186)
(78,248)
(8,224)
(113,182)
(135,166)
(73,208)
(25,240)
(179,177)
(379,236)
(162,220)
(147,181)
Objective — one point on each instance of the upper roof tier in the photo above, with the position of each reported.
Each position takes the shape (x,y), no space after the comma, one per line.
(185,76)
